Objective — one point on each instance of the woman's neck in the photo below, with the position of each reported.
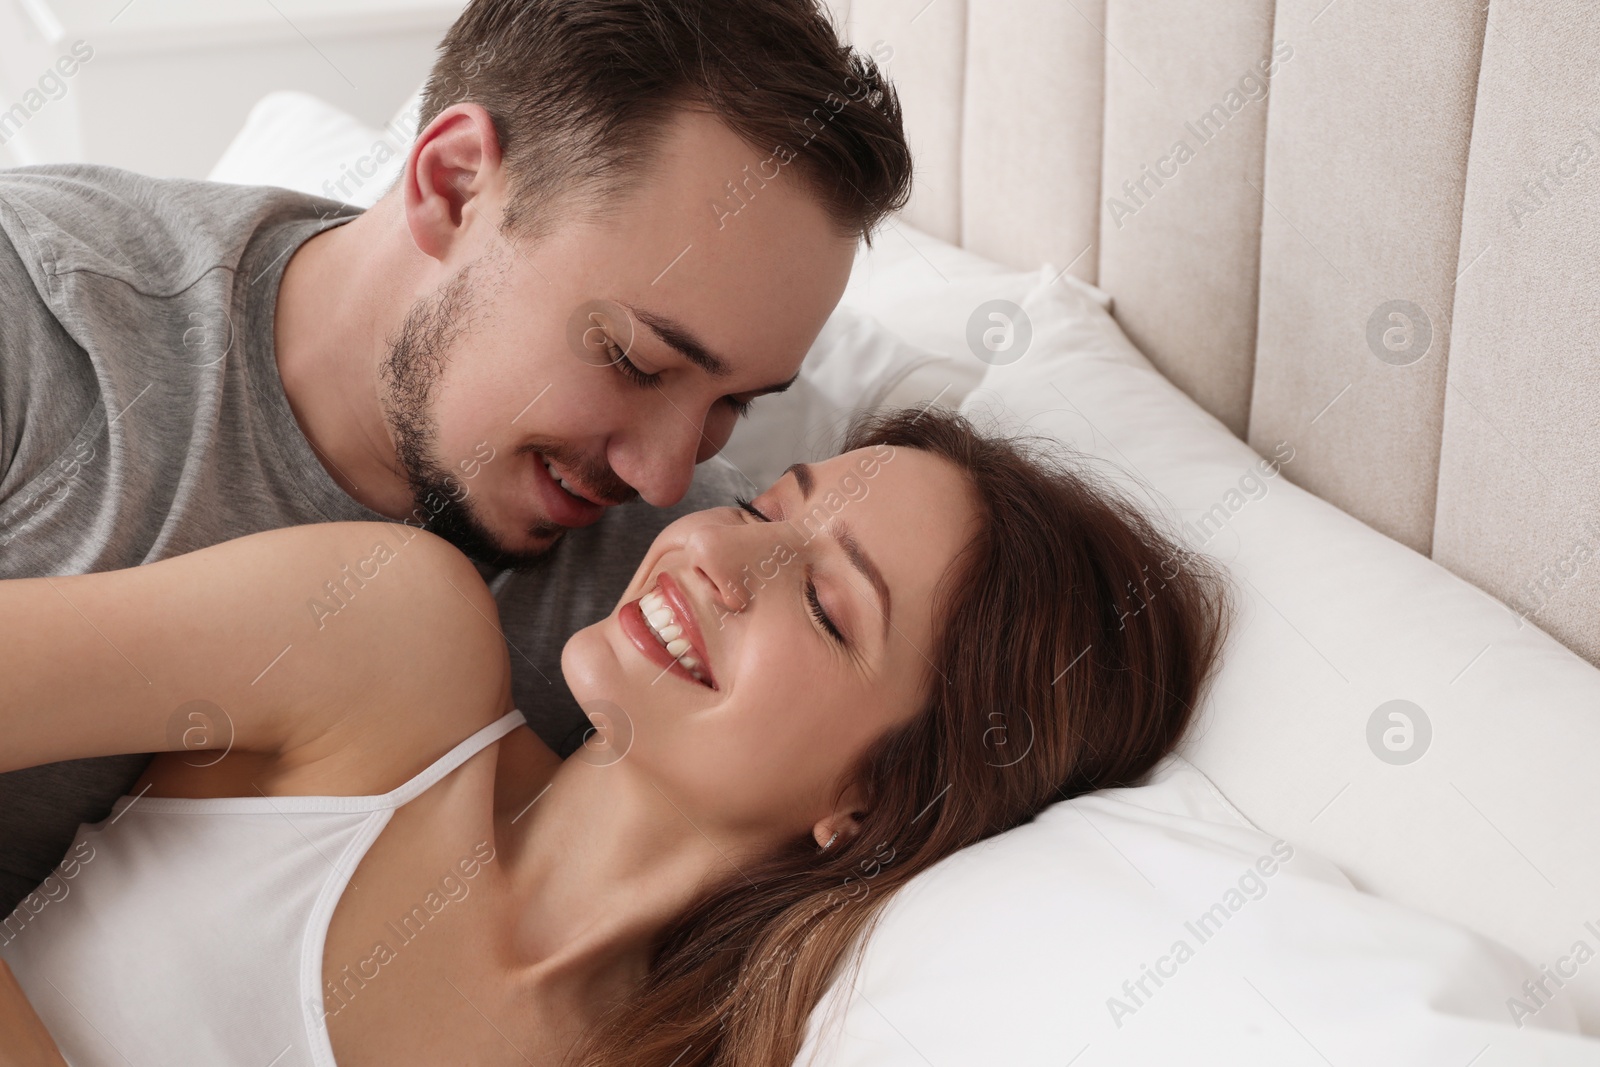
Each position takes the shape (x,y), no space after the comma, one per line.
(597,863)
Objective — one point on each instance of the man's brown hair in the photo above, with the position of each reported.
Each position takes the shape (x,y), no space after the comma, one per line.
(581,93)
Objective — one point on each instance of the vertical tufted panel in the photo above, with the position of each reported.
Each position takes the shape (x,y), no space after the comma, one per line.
(1179,219)
(1455,416)
(1519,476)
(923,48)
(1031,138)
(1366,167)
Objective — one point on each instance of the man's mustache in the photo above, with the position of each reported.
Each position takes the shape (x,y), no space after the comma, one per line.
(594,476)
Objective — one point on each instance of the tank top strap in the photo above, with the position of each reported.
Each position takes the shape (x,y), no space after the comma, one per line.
(448,762)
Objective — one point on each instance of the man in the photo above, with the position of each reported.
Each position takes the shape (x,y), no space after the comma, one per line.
(622,222)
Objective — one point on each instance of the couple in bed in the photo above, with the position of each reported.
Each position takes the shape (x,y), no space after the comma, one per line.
(348,847)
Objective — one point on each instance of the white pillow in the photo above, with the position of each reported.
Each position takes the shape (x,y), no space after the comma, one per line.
(1154,925)
(297,141)
(925,291)
(989,958)
(895,340)
(854,365)
(1492,823)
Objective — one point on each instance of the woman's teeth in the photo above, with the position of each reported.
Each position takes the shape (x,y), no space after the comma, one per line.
(664,624)
(561,481)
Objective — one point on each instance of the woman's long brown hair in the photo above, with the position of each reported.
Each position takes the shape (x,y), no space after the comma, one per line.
(1074,639)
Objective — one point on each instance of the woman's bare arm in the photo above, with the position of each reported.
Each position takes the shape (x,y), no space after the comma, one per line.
(290,632)
(24,1042)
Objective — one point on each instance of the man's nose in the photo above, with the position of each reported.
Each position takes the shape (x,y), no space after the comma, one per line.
(658,459)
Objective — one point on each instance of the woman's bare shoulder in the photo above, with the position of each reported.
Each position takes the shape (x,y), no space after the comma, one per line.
(396,654)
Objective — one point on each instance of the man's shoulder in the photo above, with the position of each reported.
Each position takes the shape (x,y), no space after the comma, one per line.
(158,235)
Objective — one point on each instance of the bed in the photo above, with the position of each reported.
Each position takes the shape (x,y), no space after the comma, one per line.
(1344,340)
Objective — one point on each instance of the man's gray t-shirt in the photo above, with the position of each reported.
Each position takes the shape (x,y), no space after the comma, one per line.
(142,416)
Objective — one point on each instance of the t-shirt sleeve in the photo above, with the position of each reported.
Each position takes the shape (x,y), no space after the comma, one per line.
(47,382)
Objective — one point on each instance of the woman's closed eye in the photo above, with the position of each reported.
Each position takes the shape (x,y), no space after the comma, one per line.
(821,616)
(814,606)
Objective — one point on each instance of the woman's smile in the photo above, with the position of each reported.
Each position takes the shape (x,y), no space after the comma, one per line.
(662,625)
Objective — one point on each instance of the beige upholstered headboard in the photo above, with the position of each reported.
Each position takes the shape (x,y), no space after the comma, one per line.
(1386,253)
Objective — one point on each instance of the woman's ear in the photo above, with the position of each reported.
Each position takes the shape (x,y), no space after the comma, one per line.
(845,819)
(453,173)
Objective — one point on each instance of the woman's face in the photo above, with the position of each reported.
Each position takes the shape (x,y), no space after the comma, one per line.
(759,651)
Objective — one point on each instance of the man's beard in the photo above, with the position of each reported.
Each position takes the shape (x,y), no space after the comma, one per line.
(415,364)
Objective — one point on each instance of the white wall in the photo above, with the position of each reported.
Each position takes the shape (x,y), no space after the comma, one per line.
(169,82)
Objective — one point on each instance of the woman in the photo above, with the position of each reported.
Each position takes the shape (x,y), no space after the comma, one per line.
(804,700)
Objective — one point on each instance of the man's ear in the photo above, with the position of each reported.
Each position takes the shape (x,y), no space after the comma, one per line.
(453,174)
(845,818)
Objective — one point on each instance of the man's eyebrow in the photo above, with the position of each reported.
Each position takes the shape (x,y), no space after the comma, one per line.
(682,340)
(858,558)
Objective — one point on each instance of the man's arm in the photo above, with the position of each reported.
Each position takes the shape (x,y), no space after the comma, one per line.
(300,635)
(24,1042)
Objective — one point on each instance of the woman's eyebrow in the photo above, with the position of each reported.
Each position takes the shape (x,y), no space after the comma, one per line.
(863,563)
(853,551)
(803,477)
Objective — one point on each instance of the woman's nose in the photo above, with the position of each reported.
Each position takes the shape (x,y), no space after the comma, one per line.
(736,561)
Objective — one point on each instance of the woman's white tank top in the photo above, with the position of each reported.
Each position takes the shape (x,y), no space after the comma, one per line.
(191,931)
